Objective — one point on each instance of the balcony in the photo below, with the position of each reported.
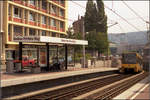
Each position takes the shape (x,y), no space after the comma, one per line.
(49,26)
(24,3)
(17,1)
(39,24)
(18,20)
(53,27)
(62,17)
(10,18)
(62,29)
(32,6)
(44,25)
(53,14)
(9,38)
(43,10)
(32,23)
(17,34)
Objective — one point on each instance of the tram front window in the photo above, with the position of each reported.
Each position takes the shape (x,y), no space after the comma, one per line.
(129,58)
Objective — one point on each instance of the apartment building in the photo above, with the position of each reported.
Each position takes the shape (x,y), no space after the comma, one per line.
(78,25)
(32,18)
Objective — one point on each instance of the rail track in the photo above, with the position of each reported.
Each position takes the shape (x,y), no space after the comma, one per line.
(76,90)
(110,91)
(116,89)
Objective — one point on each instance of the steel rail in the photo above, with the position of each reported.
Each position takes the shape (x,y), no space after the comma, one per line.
(113,91)
(79,89)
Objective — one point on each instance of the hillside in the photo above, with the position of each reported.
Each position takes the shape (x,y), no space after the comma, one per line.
(133,38)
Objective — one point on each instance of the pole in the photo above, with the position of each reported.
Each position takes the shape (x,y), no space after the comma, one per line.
(20,53)
(47,46)
(1,42)
(84,59)
(66,56)
(107,57)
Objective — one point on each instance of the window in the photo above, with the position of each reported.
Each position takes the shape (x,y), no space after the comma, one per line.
(49,22)
(53,34)
(39,18)
(61,13)
(17,12)
(9,13)
(43,33)
(39,32)
(17,31)
(25,31)
(53,22)
(44,4)
(43,19)
(32,16)
(25,14)
(53,10)
(32,32)
(9,36)
(62,1)
(32,2)
(39,4)
(61,25)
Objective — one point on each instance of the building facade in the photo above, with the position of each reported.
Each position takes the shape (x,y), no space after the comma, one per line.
(32,18)
(78,25)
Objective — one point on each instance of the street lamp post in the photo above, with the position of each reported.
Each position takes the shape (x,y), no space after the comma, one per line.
(84,59)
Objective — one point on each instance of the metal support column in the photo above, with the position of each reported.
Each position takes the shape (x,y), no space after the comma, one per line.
(74,56)
(57,54)
(47,46)
(20,53)
(38,56)
(66,56)
(84,59)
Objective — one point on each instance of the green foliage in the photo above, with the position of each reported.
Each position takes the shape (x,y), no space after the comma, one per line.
(96,24)
(91,37)
(90,16)
(88,56)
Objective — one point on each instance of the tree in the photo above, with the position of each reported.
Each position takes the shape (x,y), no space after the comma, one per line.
(95,22)
(101,17)
(91,37)
(90,16)
(101,42)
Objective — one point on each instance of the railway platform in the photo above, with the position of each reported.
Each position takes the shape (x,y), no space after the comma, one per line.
(22,78)
(140,91)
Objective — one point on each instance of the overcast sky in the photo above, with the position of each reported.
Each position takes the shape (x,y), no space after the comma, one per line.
(141,7)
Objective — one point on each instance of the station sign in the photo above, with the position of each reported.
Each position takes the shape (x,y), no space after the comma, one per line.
(63,40)
(46,39)
(26,39)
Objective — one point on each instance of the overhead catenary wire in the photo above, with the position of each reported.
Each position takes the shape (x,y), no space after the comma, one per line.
(85,8)
(122,17)
(121,28)
(133,11)
(113,12)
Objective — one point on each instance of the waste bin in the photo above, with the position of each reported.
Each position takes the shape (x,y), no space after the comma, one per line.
(9,66)
(89,63)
